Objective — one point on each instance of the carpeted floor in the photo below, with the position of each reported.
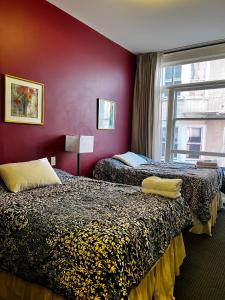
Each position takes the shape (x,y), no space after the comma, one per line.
(203,272)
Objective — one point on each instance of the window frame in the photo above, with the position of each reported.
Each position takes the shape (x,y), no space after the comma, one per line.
(173,92)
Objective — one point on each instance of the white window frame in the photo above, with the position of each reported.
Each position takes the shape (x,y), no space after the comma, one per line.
(164,142)
(224,139)
(172,112)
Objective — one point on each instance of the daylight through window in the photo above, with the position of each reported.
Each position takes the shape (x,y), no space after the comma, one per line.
(193,111)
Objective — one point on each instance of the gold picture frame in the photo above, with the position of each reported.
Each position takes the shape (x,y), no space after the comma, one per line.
(24,101)
(106,114)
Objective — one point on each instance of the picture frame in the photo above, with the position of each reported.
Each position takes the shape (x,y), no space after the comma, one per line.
(106,114)
(24,101)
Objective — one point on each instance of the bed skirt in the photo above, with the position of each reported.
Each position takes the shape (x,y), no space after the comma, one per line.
(157,284)
(200,228)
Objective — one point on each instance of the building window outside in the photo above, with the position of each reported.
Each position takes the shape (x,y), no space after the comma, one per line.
(194,142)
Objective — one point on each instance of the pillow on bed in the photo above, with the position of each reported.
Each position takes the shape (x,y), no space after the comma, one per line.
(131,159)
(27,175)
(146,158)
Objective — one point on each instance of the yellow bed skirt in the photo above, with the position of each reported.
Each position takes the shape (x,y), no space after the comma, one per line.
(157,284)
(200,228)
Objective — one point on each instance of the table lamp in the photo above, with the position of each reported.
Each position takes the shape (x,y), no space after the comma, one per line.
(79,144)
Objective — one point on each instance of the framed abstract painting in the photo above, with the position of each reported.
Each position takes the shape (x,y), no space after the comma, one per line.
(106,114)
(24,101)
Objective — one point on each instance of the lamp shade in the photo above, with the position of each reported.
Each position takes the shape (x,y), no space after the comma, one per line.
(79,143)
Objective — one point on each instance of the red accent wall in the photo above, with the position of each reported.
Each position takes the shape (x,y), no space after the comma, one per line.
(77,65)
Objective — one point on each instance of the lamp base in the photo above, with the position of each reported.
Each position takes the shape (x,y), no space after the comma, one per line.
(78,164)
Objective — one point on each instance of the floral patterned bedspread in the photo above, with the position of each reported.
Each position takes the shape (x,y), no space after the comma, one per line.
(199,187)
(86,239)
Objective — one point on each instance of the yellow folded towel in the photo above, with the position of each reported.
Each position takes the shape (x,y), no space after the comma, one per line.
(166,194)
(165,184)
(207,167)
(207,163)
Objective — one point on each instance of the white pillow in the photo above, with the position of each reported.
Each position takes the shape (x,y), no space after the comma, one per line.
(131,159)
(27,175)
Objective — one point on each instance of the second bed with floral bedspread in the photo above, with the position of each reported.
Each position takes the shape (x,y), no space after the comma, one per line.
(199,187)
(86,239)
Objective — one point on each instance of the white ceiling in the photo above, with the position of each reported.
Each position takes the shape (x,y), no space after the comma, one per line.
(151,25)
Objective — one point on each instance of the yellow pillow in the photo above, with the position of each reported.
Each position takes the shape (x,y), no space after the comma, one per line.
(27,175)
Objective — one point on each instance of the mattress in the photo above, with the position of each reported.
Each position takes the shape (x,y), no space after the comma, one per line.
(86,239)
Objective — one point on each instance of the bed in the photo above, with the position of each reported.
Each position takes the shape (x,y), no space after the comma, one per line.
(200,188)
(88,239)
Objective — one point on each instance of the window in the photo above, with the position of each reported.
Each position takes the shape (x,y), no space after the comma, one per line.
(194,142)
(168,77)
(224,140)
(195,100)
(192,72)
(175,144)
(172,76)
(176,74)
(163,142)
